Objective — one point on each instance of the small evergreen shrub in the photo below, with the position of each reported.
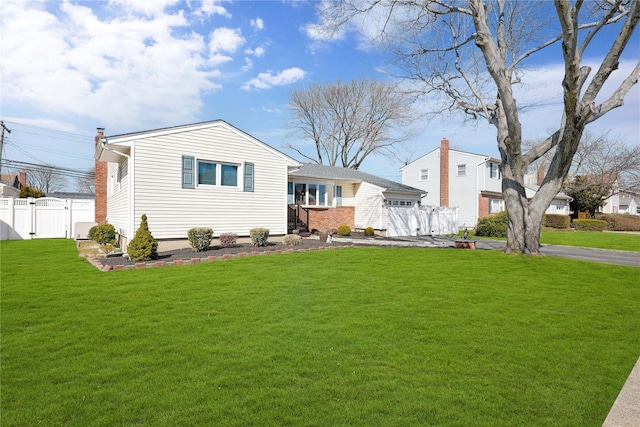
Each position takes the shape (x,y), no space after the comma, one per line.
(369,231)
(143,246)
(344,230)
(104,235)
(259,236)
(228,239)
(589,224)
(621,222)
(556,221)
(493,225)
(292,240)
(200,238)
(29,191)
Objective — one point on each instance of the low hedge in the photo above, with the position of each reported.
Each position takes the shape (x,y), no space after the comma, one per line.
(556,221)
(589,224)
(493,225)
(621,222)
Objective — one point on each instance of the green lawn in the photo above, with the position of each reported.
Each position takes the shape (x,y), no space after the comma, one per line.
(358,336)
(588,239)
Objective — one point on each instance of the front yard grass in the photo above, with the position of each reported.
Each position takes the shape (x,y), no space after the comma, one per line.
(358,336)
(586,239)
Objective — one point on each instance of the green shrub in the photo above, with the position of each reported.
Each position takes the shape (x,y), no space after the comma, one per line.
(556,221)
(143,246)
(589,224)
(621,222)
(228,239)
(291,240)
(29,191)
(259,236)
(104,235)
(493,225)
(344,230)
(200,238)
(369,231)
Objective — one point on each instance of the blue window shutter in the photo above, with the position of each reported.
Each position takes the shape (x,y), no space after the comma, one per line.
(248,176)
(188,172)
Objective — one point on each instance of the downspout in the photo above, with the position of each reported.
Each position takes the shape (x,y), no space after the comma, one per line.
(103,141)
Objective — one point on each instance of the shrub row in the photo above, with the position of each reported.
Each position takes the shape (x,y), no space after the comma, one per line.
(556,221)
(589,224)
(259,236)
(621,222)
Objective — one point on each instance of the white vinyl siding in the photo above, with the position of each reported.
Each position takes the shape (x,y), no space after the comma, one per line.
(369,210)
(172,210)
(117,213)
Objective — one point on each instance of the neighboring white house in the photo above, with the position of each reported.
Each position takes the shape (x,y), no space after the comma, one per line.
(622,202)
(10,184)
(334,196)
(207,174)
(470,182)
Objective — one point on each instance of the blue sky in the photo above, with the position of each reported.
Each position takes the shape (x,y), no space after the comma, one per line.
(132,65)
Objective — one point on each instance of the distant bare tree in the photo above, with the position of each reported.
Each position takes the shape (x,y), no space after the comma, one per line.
(600,159)
(349,121)
(46,178)
(87,182)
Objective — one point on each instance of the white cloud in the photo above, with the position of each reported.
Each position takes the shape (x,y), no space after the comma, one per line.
(225,40)
(211,7)
(257,23)
(248,64)
(147,7)
(258,52)
(128,70)
(267,80)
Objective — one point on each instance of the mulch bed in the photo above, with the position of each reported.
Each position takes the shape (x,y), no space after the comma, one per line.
(188,256)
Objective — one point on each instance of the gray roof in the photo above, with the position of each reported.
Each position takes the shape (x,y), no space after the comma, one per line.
(312,170)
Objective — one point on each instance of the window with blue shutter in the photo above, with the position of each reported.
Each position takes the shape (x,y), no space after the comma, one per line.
(248,176)
(188,172)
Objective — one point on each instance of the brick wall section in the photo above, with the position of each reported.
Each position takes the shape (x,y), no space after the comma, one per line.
(327,219)
(444,172)
(483,206)
(101,186)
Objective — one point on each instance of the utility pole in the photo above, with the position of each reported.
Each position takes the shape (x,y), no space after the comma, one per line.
(2,139)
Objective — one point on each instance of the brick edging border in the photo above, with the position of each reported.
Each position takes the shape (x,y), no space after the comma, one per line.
(179,262)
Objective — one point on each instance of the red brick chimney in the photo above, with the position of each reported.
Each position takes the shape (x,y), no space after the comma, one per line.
(540,176)
(101,185)
(22,178)
(444,172)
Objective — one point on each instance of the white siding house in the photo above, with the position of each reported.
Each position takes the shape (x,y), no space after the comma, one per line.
(472,183)
(201,175)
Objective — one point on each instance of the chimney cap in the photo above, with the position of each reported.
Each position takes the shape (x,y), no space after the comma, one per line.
(100,130)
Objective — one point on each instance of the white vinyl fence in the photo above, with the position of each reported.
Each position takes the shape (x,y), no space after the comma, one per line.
(422,221)
(43,218)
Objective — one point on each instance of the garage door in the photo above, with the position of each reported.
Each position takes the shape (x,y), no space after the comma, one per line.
(402,220)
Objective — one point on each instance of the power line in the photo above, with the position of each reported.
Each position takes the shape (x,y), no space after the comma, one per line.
(82,138)
(56,170)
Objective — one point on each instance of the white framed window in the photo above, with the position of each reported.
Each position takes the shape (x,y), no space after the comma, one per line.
(308,194)
(217,174)
(424,174)
(396,202)
(495,171)
(461,170)
(496,205)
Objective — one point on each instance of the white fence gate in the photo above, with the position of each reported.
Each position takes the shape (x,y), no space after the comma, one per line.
(422,221)
(43,218)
